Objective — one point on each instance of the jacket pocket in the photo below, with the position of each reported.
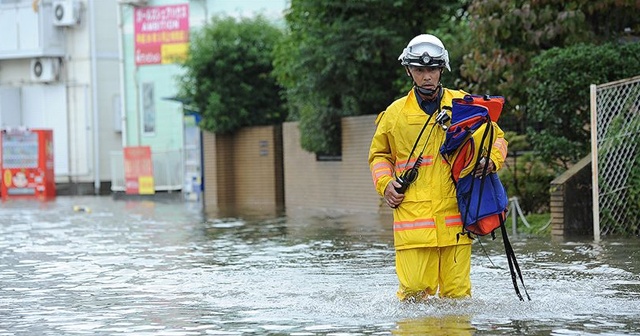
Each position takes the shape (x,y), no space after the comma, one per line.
(416,119)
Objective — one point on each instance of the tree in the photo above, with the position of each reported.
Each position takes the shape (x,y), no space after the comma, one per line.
(228,74)
(508,34)
(340,58)
(559,96)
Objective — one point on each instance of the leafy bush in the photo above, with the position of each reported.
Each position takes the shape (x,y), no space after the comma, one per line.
(228,75)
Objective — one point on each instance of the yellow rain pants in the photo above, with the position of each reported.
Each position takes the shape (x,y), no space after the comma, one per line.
(418,281)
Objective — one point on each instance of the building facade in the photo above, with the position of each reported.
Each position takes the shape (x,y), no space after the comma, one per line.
(87,70)
(154,40)
(59,71)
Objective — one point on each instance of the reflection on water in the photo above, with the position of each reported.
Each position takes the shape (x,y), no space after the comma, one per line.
(447,325)
(160,268)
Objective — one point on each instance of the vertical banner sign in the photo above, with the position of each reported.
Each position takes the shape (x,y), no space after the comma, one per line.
(138,171)
(161,34)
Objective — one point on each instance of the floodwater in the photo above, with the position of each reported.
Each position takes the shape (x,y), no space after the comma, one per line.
(161,268)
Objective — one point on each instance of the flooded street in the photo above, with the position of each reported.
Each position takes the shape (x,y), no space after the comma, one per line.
(114,267)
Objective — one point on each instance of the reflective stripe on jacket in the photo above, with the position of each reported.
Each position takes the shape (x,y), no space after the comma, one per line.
(429,215)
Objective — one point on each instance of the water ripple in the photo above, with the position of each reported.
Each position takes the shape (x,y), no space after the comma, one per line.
(160,268)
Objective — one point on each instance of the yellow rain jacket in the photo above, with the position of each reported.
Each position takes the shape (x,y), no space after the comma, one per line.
(428,216)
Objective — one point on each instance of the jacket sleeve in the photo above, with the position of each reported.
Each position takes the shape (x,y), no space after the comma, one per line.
(381,158)
(499,149)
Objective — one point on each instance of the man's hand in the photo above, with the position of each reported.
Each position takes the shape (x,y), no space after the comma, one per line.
(392,198)
(480,168)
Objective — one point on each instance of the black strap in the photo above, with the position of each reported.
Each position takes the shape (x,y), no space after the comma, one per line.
(488,130)
(415,144)
(513,262)
(511,256)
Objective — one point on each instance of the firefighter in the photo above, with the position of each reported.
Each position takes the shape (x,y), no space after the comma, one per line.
(414,179)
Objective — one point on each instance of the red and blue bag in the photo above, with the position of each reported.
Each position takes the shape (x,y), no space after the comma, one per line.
(482,201)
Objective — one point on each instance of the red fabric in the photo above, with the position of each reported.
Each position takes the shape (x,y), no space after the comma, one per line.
(463,160)
(486,225)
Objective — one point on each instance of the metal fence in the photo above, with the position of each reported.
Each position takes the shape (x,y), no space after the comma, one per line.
(615,151)
(167,170)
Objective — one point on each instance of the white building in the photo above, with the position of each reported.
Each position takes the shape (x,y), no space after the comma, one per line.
(59,69)
(70,66)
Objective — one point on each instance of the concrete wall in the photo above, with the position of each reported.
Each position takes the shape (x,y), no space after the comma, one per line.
(244,172)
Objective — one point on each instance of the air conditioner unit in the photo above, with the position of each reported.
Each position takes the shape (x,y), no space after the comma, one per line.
(45,69)
(66,13)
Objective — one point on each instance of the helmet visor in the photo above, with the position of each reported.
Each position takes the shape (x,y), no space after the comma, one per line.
(427,49)
(425,54)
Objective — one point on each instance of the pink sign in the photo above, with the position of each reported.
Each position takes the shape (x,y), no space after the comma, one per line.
(138,170)
(161,34)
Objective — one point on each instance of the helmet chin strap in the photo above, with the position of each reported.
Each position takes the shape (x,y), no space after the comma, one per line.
(427,92)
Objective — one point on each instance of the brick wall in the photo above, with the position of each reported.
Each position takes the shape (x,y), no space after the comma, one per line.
(217,190)
(571,202)
(257,164)
(264,169)
(331,185)
(243,172)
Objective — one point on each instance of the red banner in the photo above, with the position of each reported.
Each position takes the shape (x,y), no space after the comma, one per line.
(161,34)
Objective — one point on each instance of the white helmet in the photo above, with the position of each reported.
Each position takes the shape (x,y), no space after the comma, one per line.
(425,50)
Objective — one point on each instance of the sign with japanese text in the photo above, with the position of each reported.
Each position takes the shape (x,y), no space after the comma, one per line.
(138,170)
(26,163)
(161,34)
